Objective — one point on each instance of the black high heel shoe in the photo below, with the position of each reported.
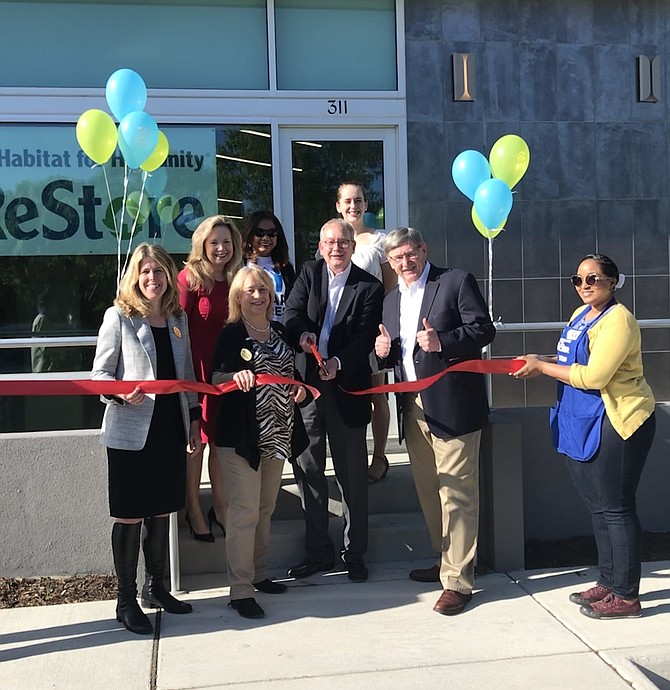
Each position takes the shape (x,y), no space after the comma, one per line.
(376,476)
(211,517)
(207,537)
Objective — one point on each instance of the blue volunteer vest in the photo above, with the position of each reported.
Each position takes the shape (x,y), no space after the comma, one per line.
(577,417)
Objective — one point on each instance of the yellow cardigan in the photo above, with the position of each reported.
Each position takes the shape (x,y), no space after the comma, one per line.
(615,369)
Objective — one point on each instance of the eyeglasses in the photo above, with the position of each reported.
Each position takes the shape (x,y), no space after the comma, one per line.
(342,244)
(265,232)
(591,279)
(409,256)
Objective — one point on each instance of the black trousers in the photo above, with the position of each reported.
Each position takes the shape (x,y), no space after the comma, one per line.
(607,484)
(350,460)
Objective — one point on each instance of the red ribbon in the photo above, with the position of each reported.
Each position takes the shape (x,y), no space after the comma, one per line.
(475,366)
(102,387)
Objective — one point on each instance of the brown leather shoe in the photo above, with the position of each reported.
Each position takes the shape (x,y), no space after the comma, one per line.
(450,602)
(431,574)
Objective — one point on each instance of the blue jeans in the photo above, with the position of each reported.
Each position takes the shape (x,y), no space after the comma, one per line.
(607,484)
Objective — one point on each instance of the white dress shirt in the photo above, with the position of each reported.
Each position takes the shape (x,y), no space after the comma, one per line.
(336,284)
(411,297)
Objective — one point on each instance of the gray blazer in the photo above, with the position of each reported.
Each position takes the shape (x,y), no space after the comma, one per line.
(126,350)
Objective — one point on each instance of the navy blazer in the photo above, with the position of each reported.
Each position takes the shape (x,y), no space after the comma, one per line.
(453,305)
(352,336)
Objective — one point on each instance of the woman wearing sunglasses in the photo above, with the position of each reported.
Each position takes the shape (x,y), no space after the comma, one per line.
(604,423)
(264,244)
(216,255)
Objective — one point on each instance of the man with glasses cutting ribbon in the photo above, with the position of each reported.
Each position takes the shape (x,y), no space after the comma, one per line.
(434,318)
(331,316)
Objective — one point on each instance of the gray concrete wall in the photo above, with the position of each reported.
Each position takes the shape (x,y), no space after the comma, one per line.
(53,504)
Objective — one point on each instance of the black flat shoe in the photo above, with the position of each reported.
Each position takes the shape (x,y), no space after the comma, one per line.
(309,567)
(357,571)
(211,518)
(269,587)
(207,537)
(247,608)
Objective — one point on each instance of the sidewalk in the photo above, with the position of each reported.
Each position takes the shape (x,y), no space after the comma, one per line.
(520,631)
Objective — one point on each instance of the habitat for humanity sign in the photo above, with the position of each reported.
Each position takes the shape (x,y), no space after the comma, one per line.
(53,202)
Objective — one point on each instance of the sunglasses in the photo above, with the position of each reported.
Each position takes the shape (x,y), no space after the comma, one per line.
(591,279)
(262,232)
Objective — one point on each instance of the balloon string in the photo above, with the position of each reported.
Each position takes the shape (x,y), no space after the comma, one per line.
(126,176)
(490,291)
(135,221)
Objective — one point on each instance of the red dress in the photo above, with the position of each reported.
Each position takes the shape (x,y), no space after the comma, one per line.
(207,314)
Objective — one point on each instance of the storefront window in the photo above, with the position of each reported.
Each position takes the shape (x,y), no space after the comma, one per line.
(220,44)
(336,44)
(58,250)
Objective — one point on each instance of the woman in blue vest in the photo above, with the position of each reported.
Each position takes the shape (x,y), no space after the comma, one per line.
(604,423)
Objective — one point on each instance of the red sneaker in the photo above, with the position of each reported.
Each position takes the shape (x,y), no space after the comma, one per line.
(590,595)
(612,607)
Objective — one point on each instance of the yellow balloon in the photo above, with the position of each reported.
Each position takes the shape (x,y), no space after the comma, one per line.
(97,135)
(509,159)
(482,229)
(138,211)
(158,155)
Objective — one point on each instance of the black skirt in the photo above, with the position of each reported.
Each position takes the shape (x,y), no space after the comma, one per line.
(152,481)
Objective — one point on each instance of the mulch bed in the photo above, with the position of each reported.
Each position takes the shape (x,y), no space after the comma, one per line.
(39,591)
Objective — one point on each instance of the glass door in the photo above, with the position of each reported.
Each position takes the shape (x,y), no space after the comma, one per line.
(315,161)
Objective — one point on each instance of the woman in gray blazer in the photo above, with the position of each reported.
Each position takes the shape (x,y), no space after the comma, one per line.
(144,336)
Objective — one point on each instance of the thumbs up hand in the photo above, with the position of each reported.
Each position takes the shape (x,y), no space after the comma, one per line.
(383,343)
(428,339)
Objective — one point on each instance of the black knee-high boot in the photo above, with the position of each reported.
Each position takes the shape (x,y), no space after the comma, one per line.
(154,546)
(126,550)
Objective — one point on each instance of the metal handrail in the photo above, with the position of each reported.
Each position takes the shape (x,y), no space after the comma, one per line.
(91,340)
(559,325)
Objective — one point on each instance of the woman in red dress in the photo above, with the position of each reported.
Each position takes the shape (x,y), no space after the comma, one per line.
(216,255)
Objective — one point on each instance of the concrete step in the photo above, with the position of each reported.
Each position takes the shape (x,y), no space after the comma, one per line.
(392,537)
(397,530)
(395,494)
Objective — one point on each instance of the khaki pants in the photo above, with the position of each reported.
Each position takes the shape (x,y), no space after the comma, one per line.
(446,474)
(251,497)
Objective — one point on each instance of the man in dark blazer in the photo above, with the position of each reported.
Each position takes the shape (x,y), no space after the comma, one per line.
(436,317)
(336,307)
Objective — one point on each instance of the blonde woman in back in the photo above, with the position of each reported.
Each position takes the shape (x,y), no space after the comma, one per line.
(216,255)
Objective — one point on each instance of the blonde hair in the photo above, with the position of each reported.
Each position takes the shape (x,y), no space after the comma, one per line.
(199,271)
(130,298)
(237,288)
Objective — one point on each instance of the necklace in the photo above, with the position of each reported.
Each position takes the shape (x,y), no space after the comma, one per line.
(258,330)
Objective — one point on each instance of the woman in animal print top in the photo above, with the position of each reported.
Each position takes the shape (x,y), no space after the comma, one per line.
(257,430)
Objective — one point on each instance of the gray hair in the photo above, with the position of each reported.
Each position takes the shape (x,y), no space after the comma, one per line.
(400,236)
(347,227)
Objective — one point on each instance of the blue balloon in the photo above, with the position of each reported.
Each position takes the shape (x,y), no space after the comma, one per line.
(469,169)
(126,92)
(493,202)
(138,136)
(156,182)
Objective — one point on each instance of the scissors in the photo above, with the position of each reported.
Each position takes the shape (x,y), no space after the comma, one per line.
(319,358)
